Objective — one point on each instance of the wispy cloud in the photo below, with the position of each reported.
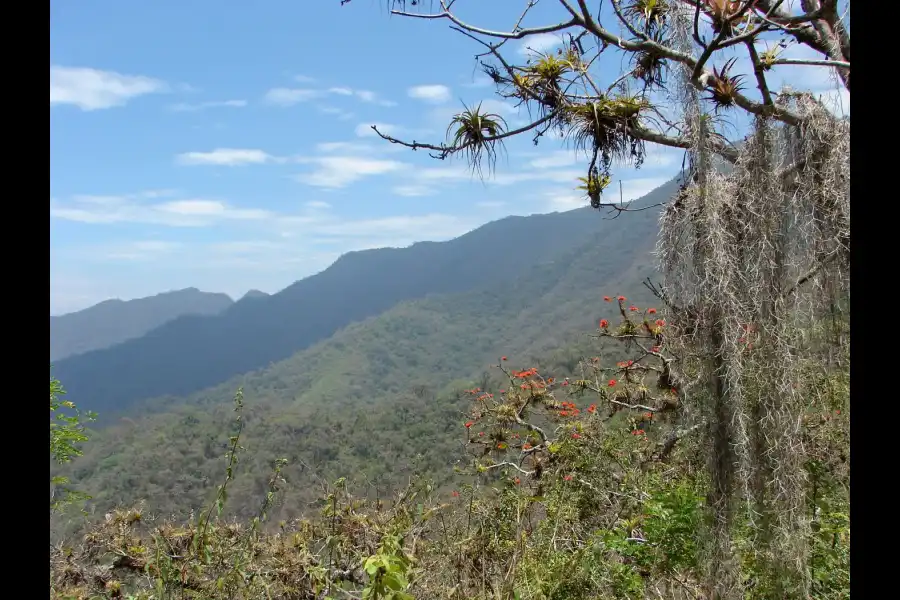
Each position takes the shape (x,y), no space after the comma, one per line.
(552,160)
(413,191)
(631,189)
(93,89)
(542,43)
(283,96)
(140,250)
(185,107)
(335,172)
(436,94)
(340,113)
(134,208)
(226,157)
(291,96)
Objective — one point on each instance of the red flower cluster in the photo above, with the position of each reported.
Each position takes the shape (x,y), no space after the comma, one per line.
(576,436)
(612,383)
(525,374)
(633,308)
(621,298)
(607,299)
(637,432)
(651,311)
(592,408)
(567,478)
(469,424)
(502,358)
(526,446)
(604,323)
(455,494)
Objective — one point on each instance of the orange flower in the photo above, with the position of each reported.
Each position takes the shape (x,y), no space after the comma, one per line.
(612,383)
(501,446)
(660,322)
(633,308)
(455,494)
(567,478)
(502,358)
(640,432)
(621,298)
(469,424)
(563,413)
(592,408)
(607,299)
(480,434)
(604,323)
(654,349)
(517,481)
(526,446)
(651,311)
(576,436)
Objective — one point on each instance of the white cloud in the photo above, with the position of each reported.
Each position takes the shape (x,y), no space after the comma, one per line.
(290,96)
(413,191)
(540,43)
(340,113)
(317,205)
(304,79)
(185,107)
(340,171)
(226,157)
(559,158)
(92,89)
(430,93)
(133,208)
(563,201)
(354,147)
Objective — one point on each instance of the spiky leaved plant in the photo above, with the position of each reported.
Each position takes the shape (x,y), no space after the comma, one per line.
(472,131)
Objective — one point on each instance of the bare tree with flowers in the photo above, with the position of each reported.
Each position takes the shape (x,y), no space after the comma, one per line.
(755,247)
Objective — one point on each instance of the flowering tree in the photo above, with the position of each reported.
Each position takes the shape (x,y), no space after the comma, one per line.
(755,256)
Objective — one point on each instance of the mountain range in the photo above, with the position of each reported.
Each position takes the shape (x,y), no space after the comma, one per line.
(358,369)
(115,321)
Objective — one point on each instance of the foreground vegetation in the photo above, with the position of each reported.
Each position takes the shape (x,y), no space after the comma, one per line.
(580,487)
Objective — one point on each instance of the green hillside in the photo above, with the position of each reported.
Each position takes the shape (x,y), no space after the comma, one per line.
(379,393)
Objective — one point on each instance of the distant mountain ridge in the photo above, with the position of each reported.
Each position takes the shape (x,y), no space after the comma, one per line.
(378,395)
(190,354)
(115,321)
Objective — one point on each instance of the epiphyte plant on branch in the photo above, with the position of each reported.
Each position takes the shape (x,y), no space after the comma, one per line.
(754,256)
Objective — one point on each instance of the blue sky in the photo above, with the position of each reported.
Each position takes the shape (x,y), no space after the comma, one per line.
(227,145)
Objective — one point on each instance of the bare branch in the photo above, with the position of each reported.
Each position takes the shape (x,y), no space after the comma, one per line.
(511,35)
(839,64)
(446,151)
